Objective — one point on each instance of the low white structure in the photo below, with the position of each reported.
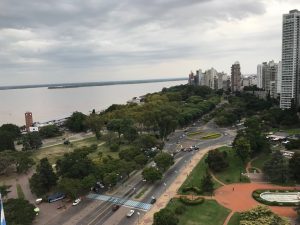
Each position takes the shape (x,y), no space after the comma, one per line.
(284,197)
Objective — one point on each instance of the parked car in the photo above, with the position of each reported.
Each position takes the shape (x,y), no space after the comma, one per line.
(76,201)
(115,207)
(153,200)
(130,213)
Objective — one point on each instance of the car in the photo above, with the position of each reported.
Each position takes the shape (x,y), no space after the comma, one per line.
(76,202)
(130,213)
(115,207)
(153,200)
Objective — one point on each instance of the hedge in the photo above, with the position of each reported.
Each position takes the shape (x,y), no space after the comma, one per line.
(193,189)
(187,201)
(256,196)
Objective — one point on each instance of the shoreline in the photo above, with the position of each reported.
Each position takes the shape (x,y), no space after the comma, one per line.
(87,84)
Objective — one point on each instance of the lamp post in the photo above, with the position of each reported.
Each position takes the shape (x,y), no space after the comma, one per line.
(138,213)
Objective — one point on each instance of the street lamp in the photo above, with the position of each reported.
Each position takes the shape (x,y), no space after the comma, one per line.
(138,213)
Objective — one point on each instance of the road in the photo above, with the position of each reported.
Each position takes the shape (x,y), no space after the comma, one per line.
(100,212)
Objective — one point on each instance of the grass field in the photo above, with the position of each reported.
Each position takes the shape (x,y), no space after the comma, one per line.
(55,152)
(289,131)
(259,161)
(208,213)
(192,134)
(235,219)
(20,192)
(232,173)
(211,136)
(194,179)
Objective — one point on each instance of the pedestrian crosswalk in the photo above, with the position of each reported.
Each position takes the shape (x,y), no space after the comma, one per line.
(121,201)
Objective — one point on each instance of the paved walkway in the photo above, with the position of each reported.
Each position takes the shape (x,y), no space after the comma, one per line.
(238,198)
(228,218)
(171,191)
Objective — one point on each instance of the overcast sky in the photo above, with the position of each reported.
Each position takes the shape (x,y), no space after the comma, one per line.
(43,41)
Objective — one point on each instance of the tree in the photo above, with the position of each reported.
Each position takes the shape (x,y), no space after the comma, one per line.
(165,217)
(216,160)
(128,153)
(23,162)
(151,174)
(276,169)
(19,212)
(13,129)
(4,190)
(95,123)
(119,125)
(164,160)
(242,148)
(7,159)
(110,179)
(126,167)
(261,215)
(141,160)
(294,167)
(50,131)
(44,178)
(130,134)
(6,140)
(207,184)
(32,141)
(77,122)
(75,164)
(72,187)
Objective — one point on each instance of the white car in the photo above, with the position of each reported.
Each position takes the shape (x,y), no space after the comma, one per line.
(130,213)
(76,202)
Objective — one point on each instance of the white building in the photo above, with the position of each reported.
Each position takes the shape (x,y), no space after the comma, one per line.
(259,76)
(290,59)
(279,76)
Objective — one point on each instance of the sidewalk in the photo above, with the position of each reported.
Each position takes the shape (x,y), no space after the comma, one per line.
(171,192)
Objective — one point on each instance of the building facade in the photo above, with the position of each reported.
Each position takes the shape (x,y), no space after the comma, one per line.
(236,77)
(290,82)
(28,120)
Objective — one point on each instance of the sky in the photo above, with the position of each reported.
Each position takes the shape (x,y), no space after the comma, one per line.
(44,41)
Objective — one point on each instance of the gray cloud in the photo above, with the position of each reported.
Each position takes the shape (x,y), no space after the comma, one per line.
(37,35)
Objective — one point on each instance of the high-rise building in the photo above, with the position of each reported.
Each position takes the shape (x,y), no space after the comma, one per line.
(290,82)
(236,77)
(28,120)
(259,76)
(279,76)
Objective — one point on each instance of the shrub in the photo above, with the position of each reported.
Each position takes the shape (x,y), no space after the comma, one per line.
(180,209)
(114,147)
(187,201)
(192,189)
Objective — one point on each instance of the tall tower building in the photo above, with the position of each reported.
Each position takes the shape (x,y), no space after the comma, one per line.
(28,120)
(290,82)
(236,77)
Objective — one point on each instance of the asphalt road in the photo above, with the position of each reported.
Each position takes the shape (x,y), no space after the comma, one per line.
(103,211)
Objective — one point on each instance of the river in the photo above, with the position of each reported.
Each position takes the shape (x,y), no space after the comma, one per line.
(48,104)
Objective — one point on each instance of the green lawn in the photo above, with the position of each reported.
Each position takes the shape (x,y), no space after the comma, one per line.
(55,152)
(20,192)
(211,136)
(208,213)
(289,131)
(259,161)
(232,173)
(235,219)
(194,179)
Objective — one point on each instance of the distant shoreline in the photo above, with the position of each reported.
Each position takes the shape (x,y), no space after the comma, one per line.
(89,84)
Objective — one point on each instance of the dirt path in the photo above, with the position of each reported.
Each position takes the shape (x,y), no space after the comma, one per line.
(216,179)
(249,165)
(228,218)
